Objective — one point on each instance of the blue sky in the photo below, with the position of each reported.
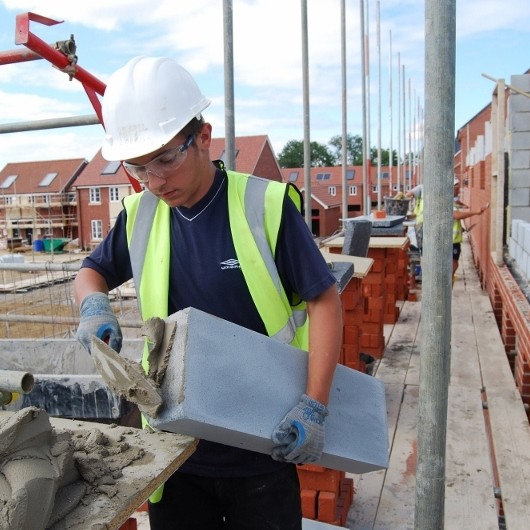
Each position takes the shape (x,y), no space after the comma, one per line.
(492,37)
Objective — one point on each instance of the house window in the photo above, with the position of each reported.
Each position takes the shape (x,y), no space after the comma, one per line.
(374,189)
(332,190)
(293,176)
(9,199)
(395,187)
(8,181)
(96,230)
(352,190)
(385,175)
(323,176)
(114,196)
(95,196)
(48,179)
(350,174)
(111,168)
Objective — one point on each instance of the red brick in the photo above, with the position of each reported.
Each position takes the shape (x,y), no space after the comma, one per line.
(327,507)
(309,503)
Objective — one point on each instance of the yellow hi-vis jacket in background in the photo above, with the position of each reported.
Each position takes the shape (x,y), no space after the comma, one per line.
(255,211)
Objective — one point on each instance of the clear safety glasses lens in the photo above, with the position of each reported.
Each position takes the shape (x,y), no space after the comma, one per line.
(165,162)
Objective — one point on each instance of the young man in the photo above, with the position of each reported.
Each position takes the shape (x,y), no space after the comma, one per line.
(458,232)
(229,244)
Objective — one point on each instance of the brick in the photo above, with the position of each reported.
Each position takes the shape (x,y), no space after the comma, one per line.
(324,480)
(309,503)
(327,505)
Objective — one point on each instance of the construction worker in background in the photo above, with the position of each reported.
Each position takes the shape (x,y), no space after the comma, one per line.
(416,193)
(231,245)
(460,211)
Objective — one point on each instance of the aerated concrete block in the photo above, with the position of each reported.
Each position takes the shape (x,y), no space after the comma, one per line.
(228,384)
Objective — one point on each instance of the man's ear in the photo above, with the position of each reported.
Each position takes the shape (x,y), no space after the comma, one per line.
(204,137)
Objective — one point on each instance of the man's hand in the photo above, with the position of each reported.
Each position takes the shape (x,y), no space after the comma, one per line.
(299,438)
(97,318)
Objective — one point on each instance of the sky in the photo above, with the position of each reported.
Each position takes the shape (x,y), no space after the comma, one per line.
(493,37)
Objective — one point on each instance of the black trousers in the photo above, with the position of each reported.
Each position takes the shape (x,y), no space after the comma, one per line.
(263,502)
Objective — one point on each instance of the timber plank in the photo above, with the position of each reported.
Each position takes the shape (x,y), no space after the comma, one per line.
(469,496)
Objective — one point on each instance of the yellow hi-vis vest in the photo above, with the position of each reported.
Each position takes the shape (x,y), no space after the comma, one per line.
(255,211)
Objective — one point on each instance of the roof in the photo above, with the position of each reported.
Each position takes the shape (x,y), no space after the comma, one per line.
(101,172)
(249,150)
(50,176)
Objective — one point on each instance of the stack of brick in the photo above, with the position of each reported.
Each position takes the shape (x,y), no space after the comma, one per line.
(375,302)
(352,317)
(326,494)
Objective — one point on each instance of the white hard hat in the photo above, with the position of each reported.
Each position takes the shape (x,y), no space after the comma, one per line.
(146,103)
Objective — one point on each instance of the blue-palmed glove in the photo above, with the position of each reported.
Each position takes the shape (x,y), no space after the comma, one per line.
(97,318)
(299,438)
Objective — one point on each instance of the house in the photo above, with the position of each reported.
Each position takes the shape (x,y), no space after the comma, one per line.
(37,201)
(327,189)
(102,185)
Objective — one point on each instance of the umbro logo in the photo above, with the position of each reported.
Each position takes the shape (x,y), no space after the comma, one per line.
(230,264)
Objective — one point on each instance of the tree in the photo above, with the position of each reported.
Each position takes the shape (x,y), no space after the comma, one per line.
(292,155)
(384,156)
(354,146)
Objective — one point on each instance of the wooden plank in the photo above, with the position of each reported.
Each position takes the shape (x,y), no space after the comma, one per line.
(510,430)
(361,266)
(396,507)
(368,486)
(511,442)
(469,496)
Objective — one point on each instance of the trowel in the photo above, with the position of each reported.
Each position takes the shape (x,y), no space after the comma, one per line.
(125,377)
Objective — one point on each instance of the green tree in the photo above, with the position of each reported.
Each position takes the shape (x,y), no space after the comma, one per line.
(292,155)
(354,146)
(385,156)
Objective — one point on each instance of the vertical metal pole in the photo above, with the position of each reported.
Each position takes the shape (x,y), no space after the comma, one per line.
(379,191)
(366,184)
(344,112)
(404,130)
(391,154)
(230,158)
(307,141)
(399,159)
(367,156)
(437,256)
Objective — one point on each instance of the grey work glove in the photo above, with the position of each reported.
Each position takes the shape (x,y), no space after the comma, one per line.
(97,318)
(299,438)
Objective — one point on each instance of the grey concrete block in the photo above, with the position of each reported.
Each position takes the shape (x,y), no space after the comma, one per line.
(520,122)
(521,81)
(231,385)
(357,238)
(519,197)
(521,159)
(520,140)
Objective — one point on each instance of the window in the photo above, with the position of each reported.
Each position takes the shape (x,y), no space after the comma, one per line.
(95,196)
(323,176)
(332,190)
(111,168)
(374,189)
(395,187)
(114,195)
(350,174)
(96,230)
(48,179)
(9,199)
(352,190)
(385,175)
(293,176)
(8,181)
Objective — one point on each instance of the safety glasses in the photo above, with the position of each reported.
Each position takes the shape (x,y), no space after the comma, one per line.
(163,164)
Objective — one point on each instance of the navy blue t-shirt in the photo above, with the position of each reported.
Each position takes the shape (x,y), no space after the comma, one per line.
(205,274)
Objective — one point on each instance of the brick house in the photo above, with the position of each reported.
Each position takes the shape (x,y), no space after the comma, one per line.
(37,201)
(102,185)
(326,192)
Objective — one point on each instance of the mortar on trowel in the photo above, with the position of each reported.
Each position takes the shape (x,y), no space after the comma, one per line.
(214,380)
